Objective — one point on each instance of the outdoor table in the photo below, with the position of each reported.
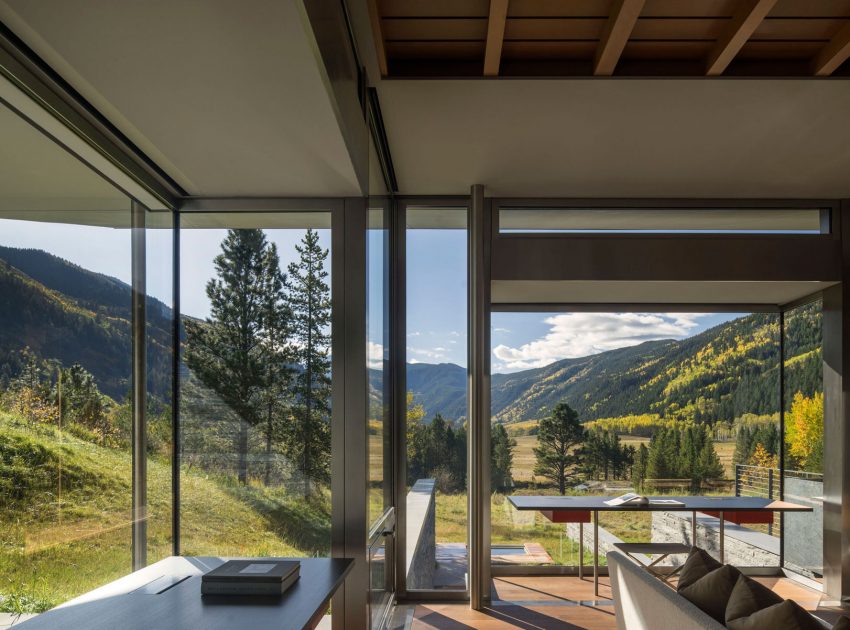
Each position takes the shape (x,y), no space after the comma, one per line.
(578,509)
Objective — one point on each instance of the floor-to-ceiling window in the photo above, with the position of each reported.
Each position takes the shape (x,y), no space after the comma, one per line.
(436,398)
(66,350)
(803,470)
(658,403)
(255,398)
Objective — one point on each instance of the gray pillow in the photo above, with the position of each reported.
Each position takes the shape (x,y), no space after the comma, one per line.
(712,591)
(747,597)
(788,615)
(698,564)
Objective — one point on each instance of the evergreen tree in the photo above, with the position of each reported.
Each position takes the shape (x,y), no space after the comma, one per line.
(501,457)
(557,438)
(639,469)
(309,439)
(278,353)
(226,353)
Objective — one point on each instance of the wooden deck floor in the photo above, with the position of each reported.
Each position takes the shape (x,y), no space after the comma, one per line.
(543,603)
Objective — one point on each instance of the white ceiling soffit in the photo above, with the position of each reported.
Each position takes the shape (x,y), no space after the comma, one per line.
(41,181)
(619,292)
(227,97)
(620,137)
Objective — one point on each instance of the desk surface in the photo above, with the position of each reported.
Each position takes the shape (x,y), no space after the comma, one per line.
(688,504)
(139,601)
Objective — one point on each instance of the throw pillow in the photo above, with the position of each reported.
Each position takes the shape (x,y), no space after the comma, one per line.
(788,615)
(748,597)
(712,591)
(698,564)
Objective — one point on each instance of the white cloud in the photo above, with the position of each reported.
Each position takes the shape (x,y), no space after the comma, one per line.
(434,354)
(574,335)
(501,330)
(375,355)
(415,333)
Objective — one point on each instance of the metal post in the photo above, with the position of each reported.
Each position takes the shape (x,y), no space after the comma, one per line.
(693,529)
(721,538)
(580,550)
(479,401)
(781,439)
(596,554)
(139,386)
(175,389)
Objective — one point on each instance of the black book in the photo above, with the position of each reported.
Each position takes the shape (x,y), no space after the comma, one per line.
(251,577)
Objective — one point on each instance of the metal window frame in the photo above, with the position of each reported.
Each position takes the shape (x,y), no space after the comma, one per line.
(398,363)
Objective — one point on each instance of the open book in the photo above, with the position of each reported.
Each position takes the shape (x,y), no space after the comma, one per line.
(630,498)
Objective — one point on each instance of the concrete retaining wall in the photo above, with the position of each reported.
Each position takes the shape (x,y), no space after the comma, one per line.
(421,535)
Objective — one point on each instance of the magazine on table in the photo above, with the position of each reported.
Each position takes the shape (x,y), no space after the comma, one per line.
(631,498)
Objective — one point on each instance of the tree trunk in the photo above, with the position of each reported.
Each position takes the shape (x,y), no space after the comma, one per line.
(243,452)
(269,447)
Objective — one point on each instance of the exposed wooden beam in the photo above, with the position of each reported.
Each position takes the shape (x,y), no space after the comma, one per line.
(618,29)
(377,33)
(744,23)
(495,37)
(833,54)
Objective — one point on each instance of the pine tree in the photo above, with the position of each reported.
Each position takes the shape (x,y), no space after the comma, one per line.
(226,353)
(558,436)
(309,439)
(278,353)
(501,457)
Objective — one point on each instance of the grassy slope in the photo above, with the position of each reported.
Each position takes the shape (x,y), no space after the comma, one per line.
(58,545)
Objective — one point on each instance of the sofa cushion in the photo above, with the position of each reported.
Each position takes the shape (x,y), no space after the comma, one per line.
(788,615)
(749,596)
(711,592)
(698,564)
(842,624)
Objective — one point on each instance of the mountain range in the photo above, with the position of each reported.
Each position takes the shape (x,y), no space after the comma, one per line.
(62,311)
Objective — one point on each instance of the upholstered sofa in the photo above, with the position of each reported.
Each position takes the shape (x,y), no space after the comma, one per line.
(642,602)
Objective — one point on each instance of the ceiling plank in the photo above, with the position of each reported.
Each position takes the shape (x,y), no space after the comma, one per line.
(624,16)
(744,23)
(495,37)
(833,54)
(377,33)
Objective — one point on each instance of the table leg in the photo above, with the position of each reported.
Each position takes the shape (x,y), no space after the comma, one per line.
(721,538)
(580,550)
(596,554)
(693,529)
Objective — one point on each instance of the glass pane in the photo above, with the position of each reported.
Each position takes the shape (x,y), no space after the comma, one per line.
(436,398)
(663,404)
(65,366)
(661,220)
(159,282)
(255,379)
(377,314)
(804,438)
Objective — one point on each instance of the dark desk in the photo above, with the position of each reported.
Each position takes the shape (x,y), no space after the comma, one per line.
(578,509)
(155,598)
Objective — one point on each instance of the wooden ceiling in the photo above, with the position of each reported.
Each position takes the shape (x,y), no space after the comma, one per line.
(561,38)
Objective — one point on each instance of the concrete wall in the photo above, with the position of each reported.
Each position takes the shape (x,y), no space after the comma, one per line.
(742,546)
(421,535)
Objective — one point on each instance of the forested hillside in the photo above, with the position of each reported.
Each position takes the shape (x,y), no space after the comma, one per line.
(720,374)
(63,312)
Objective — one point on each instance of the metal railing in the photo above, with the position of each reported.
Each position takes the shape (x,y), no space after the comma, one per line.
(761,481)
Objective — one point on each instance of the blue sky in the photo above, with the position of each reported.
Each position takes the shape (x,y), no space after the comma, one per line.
(436,299)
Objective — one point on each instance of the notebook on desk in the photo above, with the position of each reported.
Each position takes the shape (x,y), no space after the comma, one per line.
(251,577)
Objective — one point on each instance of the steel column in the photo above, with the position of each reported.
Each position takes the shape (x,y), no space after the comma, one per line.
(479,401)
(139,386)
